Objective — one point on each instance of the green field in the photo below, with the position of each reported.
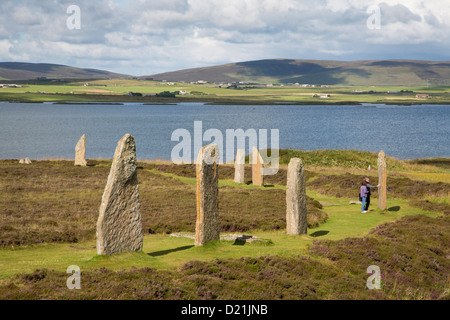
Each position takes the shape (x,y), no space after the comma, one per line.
(117,90)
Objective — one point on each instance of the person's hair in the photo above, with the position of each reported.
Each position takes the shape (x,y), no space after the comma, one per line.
(364,183)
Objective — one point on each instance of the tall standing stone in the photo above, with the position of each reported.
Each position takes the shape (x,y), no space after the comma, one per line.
(207,227)
(239,166)
(80,152)
(296,222)
(119,225)
(257,166)
(382,180)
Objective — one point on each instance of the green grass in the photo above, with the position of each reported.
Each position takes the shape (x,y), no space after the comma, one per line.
(411,253)
(116,90)
(167,253)
(409,240)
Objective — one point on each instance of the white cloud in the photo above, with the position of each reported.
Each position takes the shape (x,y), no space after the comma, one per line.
(149,36)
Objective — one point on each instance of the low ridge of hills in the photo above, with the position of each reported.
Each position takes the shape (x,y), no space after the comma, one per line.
(33,71)
(325,72)
(281,71)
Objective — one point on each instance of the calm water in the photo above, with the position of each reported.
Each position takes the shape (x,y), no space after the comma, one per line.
(41,131)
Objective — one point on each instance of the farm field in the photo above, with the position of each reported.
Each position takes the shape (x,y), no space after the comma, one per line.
(118,90)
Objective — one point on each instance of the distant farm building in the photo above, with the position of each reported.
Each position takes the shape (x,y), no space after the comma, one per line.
(10,86)
(422,96)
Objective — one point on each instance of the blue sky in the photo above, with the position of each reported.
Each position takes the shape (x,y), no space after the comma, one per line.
(144,37)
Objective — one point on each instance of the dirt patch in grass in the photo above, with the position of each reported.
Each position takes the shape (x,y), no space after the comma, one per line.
(412,253)
(54,201)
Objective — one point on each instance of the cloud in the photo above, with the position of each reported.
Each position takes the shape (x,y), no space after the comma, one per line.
(397,13)
(142,37)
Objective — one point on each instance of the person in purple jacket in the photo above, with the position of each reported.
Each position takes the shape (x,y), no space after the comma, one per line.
(369,186)
(364,191)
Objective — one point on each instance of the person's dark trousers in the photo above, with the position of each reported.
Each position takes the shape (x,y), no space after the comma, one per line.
(366,208)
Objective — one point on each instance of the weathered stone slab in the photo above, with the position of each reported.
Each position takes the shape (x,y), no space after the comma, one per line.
(239,166)
(382,180)
(296,198)
(224,237)
(257,168)
(207,227)
(119,225)
(80,152)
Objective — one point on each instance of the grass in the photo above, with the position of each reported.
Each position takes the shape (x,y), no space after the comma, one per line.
(412,254)
(49,211)
(41,203)
(168,253)
(116,90)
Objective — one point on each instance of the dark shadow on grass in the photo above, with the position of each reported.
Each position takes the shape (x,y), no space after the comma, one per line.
(164,252)
(91,163)
(320,233)
(396,208)
(269,186)
(241,241)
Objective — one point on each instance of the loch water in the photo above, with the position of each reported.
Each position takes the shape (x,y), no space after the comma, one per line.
(50,131)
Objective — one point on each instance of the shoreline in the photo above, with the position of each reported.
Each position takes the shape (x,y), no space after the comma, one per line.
(62,99)
(120,102)
(168,161)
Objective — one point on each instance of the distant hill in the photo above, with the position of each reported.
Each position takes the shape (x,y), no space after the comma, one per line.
(326,72)
(31,71)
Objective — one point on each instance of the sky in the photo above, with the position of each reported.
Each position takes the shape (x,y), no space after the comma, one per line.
(145,37)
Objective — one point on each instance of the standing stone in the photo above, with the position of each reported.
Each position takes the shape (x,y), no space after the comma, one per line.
(80,152)
(296,198)
(239,166)
(257,166)
(119,225)
(207,227)
(382,178)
